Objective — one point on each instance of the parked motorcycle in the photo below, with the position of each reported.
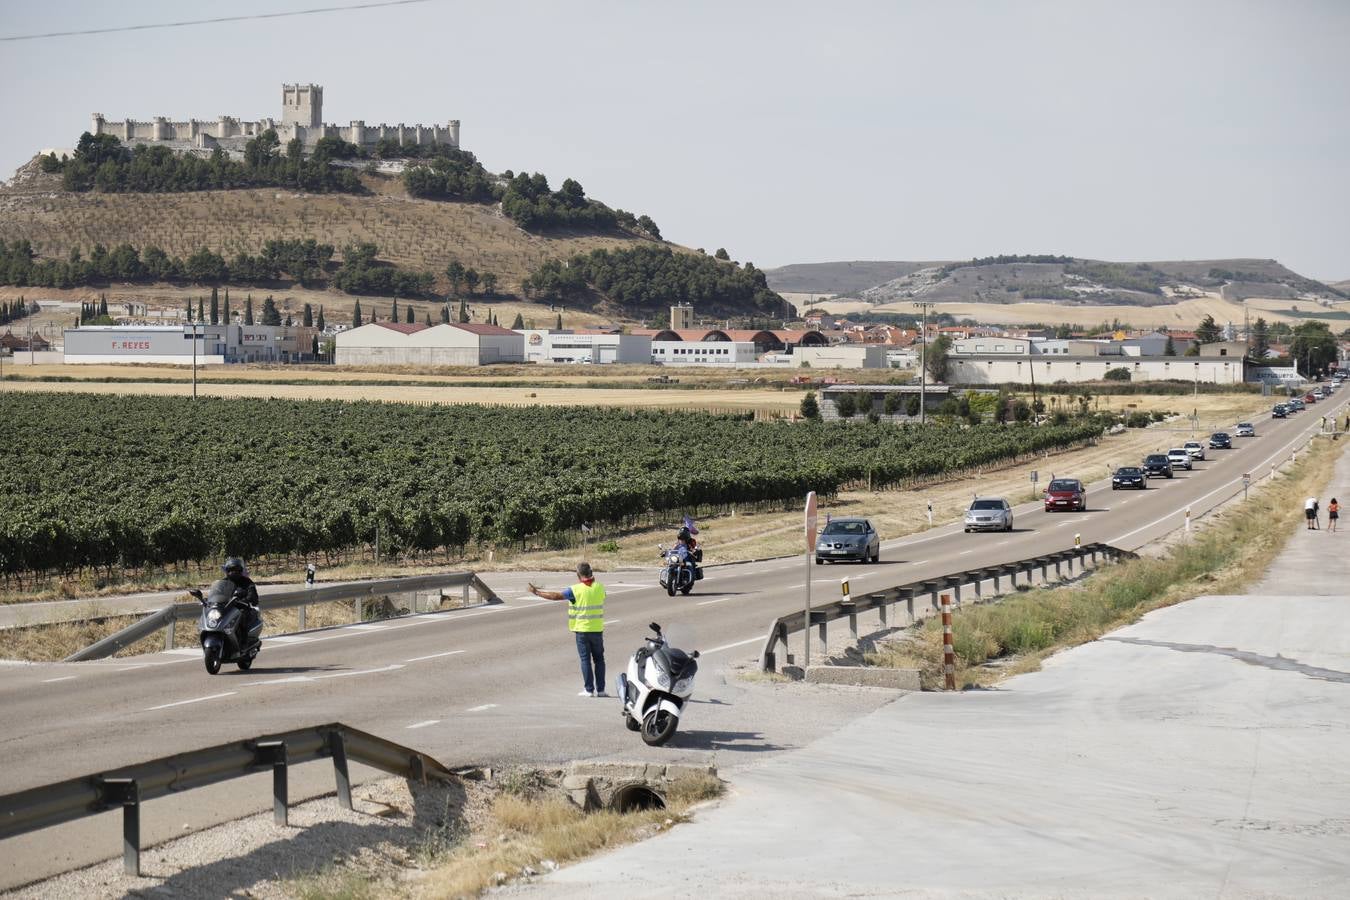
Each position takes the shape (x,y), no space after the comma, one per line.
(221,627)
(677,574)
(659,682)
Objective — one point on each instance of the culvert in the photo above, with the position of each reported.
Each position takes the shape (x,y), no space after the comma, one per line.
(635,797)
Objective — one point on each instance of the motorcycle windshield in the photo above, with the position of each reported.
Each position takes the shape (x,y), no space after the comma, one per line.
(220,593)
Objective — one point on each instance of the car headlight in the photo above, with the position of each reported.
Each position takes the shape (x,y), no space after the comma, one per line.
(822,546)
(213,617)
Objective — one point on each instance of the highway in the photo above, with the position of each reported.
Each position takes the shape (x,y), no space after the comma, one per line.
(498,684)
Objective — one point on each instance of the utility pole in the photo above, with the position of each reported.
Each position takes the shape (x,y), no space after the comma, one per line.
(194,360)
(923,361)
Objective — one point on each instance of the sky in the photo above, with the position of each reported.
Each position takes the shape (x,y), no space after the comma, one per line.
(790,132)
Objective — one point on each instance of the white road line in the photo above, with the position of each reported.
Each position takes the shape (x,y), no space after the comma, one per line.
(613,621)
(481,708)
(919,562)
(731,646)
(62,678)
(424,724)
(365,627)
(1000,543)
(434,656)
(964,552)
(184,651)
(298,679)
(194,700)
(709,602)
(288,639)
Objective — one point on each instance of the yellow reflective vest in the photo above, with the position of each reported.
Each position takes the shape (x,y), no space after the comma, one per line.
(586,612)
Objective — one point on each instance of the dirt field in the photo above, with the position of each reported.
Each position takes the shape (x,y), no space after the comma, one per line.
(1184,315)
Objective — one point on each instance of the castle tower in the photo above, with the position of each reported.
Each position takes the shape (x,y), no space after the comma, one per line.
(302,104)
(681,317)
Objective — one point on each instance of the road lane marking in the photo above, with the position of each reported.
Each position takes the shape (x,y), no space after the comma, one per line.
(434,656)
(424,724)
(481,708)
(184,651)
(964,552)
(702,603)
(918,562)
(731,646)
(298,679)
(613,621)
(62,678)
(194,700)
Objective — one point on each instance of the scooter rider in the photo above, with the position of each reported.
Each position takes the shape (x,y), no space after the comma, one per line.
(238,576)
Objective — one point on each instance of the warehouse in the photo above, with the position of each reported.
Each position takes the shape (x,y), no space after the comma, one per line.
(991,369)
(452,344)
(173,344)
(544,346)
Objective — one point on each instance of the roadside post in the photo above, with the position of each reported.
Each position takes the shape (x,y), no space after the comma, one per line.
(930,513)
(846,600)
(310,573)
(1035,477)
(1246,483)
(1188,520)
(585,536)
(810,531)
(1078,540)
(948,653)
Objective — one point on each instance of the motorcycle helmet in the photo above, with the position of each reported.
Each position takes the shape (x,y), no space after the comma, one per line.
(232,565)
(683,535)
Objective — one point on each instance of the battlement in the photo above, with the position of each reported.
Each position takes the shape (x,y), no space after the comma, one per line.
(301,117)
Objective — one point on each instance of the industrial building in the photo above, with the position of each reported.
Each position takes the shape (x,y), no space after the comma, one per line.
(173,344)
(452,344)
(544,346)
(1003,369)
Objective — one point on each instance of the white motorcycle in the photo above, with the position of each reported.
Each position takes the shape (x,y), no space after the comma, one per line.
(658,684)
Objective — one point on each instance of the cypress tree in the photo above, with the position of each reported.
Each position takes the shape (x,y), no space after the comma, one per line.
(445,313)
(321,322)
(519,322)
(201,309)
(215,306)
(463,311)
(394,317)
(559,325)
(356,315)
(227,307)
(412,315)
(248,311)
(309,316)
(189,309)
(428,320)
(102,304)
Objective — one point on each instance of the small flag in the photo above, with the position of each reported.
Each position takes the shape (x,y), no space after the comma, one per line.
(689,523)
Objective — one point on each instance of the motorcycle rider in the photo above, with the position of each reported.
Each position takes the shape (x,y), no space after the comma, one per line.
(687,545)
(238,576)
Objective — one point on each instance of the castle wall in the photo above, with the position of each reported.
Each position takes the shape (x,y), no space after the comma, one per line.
(206,134)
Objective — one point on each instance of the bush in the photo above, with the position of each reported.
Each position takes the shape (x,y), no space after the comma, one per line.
(1138,420)
(845,405)
(1118,374)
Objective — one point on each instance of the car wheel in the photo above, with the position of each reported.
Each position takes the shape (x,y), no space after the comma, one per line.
(967,531)
(819,560)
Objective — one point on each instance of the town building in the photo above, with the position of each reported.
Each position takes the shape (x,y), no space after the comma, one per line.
(173,344)
(447,344)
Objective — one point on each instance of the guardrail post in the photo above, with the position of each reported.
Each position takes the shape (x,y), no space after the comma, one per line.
(1059,572)
(1012,577)
(853,626)
(881,612)
(948,653)
(337,746)
(273,753)
(302,616)
(126,792)
(358,606)
(464,601)
(169,634)
(1044,575)
(824,645)
(979,585)
(957,588)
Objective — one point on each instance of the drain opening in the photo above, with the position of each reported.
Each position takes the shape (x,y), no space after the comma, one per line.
(634,798)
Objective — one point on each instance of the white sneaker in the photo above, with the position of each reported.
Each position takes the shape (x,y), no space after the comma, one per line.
(601,694)
(585,694)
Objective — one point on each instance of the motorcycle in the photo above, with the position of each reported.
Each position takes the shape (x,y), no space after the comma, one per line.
(677,574)
(656,687)
(221,627)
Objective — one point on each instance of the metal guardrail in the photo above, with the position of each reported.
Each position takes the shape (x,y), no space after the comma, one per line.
(303,597)
(881,601)
(128,788)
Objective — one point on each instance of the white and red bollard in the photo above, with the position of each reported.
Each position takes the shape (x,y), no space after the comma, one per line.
(948,653)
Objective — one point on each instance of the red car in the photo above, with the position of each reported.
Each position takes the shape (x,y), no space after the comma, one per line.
(1066,494)
(1309,398)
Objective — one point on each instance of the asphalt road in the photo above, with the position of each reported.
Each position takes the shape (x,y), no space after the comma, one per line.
(499,684)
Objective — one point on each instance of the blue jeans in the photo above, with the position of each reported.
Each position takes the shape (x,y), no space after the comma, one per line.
(591,651)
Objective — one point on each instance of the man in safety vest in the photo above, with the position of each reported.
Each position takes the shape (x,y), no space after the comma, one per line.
(586,621)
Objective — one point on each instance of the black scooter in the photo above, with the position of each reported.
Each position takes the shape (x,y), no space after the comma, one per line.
(224,612)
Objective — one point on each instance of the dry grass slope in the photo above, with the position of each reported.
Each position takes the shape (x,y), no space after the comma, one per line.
(422,234)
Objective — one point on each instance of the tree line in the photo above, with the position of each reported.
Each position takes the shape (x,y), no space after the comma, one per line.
(648,277)
(13,311)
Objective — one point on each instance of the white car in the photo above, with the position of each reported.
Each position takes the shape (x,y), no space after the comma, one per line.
(1179,458)
(1245,429)
(989,514)
(1195,449)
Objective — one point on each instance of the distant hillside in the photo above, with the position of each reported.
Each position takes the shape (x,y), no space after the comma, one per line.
(846,278)
(1056,279)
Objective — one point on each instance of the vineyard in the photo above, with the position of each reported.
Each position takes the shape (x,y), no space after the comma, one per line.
(98,482)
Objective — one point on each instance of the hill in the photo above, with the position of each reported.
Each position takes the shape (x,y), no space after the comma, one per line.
(1057,280)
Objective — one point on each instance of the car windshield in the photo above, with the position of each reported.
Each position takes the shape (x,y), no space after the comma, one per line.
(1064,485)
(1220,436)
(845,528)
(987,504)
(1128,472)
(1244,424)
(1156,458)
(1177,451)
(1190,444)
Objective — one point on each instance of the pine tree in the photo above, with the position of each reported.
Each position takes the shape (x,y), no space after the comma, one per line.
(270,314)
(215,306)
(248,311)
(308,320)
(412,315)
(356,315)
(1170,348)
(519,322)
(463,311)
(321,321)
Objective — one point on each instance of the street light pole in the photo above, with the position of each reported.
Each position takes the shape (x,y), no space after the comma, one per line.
(923,362)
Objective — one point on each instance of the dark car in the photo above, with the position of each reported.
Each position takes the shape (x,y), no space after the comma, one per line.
(1220,440)
(1065,493)
(1157,465)
(1279,411)
(1128,478)
(848,539)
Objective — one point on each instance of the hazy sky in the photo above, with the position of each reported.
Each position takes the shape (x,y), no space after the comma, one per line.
(793,131)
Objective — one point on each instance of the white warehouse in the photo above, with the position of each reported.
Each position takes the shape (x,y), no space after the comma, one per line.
(454,344)
(704,353)
(543,346)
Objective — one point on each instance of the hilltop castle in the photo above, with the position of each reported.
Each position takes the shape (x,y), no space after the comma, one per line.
(301,117)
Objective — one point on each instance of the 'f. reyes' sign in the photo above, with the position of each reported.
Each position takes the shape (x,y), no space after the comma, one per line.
(131,345)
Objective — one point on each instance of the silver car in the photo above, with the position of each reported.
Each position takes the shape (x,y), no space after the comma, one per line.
(1245,429)
(1179,458)
(989,514)
(1195,449)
